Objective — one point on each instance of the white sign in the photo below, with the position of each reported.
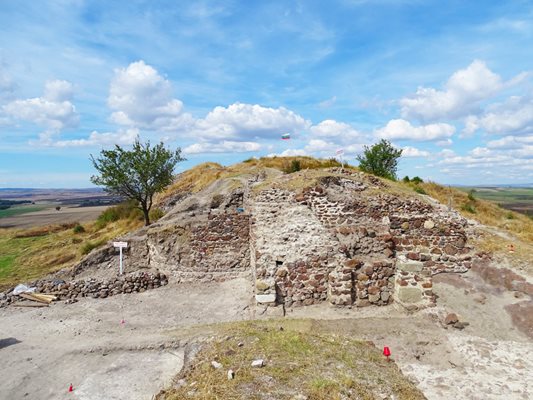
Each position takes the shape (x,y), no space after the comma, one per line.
(120,245)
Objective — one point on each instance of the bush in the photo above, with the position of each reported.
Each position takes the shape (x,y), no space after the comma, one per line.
(468,208)
(417,180)
(381,159)
(89,246)
(471,195)
(294,166)
(406,179)
(126,210)
(78,229)
(419,189)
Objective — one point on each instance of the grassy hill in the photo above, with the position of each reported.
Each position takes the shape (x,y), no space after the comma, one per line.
(33,253)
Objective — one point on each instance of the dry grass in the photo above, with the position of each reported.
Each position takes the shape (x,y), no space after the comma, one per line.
(27,255)
(298,361)
(199,177)
(485,212)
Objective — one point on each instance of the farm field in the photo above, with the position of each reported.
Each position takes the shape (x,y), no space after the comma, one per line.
(22,209)
(511,198)
(50,216)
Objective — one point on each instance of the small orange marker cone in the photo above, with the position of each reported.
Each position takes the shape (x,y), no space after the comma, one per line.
(386,352)
(70,388)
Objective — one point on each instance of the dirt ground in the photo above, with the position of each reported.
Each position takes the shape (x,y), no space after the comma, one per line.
(45,350)
(51,217)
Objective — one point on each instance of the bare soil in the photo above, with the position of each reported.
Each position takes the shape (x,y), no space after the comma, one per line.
(45,350)
(51,217)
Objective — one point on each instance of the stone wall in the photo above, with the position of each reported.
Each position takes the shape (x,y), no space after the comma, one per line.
(130,283)
(349,247)
(220,249)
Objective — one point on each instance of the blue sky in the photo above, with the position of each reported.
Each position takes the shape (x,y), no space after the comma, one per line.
(449,82)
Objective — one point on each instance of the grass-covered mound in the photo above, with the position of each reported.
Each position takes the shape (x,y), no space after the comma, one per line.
(298,364)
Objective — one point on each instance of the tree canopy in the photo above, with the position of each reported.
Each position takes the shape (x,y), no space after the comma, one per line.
(380,159)
(136,174)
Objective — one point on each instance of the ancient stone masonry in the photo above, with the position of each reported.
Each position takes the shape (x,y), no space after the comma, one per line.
(347,239)
(339,244)
(136,282)
(221,245)
(291,251)
(365,274)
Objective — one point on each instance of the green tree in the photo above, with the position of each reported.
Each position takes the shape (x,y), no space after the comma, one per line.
(380,159)
(136,174)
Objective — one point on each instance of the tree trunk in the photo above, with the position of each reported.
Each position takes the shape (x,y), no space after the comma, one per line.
(146,213)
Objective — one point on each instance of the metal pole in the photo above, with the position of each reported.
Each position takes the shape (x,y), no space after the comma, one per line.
(120,260)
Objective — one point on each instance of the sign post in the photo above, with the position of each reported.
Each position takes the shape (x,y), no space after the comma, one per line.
(120,245)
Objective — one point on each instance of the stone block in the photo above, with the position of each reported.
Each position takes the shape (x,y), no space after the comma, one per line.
(261,285)
(410,266)
(265,298)
(429,224)
(409,294)
(374,298)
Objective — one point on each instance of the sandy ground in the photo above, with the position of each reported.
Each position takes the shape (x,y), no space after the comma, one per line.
(44,350)
(51,216)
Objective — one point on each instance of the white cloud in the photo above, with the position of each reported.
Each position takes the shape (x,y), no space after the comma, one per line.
(332,129)
(53,111)
(319,145)
(58,91)
(122,137)
(511,142)
(246,121)
(225,146)
(513,116)
(461,95)
(289,153)
(141,98)
(398,129)
(409,151)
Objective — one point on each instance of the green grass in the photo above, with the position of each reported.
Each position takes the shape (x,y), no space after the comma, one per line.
(517,199)
(299,360)
(11,250)
(24,209)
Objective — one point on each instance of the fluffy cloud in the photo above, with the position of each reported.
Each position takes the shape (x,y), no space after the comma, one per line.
(225,146)
(53,111)
(290,153)
(489,163)
(332,129)
(513,116)
(511,142)
(141,98)
(398,129)
(462,93)
(245,121)
(319,145)
(122,137)
(409,151)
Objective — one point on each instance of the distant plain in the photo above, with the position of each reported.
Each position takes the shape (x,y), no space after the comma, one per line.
(519,199)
